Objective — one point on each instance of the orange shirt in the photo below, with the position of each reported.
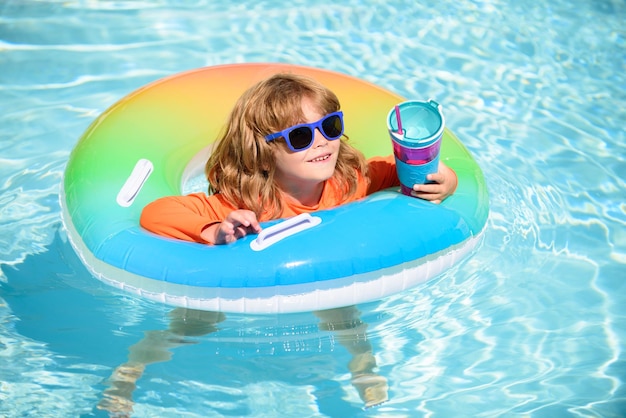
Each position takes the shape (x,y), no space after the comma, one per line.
(185,217)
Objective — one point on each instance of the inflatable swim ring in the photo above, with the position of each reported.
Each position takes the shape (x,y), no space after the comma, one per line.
(150,143)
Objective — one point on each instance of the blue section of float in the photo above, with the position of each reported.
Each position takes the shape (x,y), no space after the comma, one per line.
(352,239)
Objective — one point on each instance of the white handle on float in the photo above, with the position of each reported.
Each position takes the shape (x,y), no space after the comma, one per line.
(277,232)
(134,182)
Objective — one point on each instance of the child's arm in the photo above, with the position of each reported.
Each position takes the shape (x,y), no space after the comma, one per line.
(199,218)
(183,217)
(383,174)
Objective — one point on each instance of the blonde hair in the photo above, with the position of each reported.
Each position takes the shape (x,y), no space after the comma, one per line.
(242,165)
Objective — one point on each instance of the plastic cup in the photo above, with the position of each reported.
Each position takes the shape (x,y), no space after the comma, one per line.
(416,146)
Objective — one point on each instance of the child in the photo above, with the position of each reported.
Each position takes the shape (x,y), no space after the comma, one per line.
(283,153)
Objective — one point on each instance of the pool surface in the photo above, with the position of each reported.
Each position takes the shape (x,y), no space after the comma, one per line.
(533,325)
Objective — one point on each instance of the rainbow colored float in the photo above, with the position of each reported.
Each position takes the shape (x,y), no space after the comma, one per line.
(153,141)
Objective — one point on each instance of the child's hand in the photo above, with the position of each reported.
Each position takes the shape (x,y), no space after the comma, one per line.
(444,184)
(237,224)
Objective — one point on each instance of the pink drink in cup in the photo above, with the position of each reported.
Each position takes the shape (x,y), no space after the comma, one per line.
(416,129)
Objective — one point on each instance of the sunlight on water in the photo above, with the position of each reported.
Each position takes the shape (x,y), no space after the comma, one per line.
(531,325)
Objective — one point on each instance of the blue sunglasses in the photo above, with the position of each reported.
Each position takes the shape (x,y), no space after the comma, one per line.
(300,137)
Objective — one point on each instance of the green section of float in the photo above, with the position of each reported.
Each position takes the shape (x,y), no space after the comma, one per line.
(471,199)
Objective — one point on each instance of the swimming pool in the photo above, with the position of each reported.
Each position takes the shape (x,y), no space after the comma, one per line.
(532,325)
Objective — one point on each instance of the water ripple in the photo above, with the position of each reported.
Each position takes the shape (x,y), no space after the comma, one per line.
(532,324)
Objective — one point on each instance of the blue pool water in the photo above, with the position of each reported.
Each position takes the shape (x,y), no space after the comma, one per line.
(533,325)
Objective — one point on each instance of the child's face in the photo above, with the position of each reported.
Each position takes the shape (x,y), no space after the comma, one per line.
(299,172)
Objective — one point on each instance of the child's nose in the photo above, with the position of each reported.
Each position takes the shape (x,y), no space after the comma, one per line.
(319,138)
